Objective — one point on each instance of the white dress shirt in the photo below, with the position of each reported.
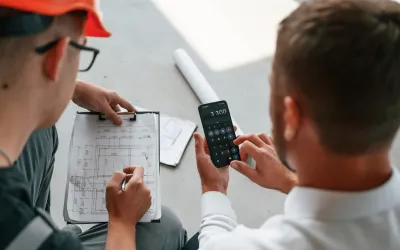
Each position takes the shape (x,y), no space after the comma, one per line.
(312,219)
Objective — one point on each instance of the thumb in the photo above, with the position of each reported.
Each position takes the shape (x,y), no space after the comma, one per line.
(137,177)
(111,114)
(199,144)
(138,174)
(244,169)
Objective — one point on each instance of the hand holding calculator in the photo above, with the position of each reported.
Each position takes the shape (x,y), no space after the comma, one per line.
(219,132)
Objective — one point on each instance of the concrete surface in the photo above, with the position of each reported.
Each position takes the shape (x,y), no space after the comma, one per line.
(231,41)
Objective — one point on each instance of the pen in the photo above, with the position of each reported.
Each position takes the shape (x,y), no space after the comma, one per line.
(124,182)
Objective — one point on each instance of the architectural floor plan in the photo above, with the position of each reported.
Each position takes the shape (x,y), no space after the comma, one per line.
(98,149)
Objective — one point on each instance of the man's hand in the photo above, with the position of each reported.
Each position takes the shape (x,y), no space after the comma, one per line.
(127,207)
(269,171)
(98,99)
(212,178)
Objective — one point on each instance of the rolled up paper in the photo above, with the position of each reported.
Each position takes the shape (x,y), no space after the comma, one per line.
(200,86)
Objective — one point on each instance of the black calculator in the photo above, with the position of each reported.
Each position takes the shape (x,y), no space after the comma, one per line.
(218,128)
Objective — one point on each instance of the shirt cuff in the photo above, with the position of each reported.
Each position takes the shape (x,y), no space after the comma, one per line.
(216,203)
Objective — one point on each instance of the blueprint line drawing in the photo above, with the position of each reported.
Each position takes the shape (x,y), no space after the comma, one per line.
(113,149)
(121,136)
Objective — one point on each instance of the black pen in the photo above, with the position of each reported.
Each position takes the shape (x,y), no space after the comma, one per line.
(124,182)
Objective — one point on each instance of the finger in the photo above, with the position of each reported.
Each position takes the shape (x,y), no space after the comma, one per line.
(206,146)
(250,149)
(271,139)
(116,108)
(199,144)
(116,180)
(250,137)
(234,128)
(111,114)
(129,169)
(125,104)
(138,173)
(244,169)
(243,156)
(137,178)
(129,172)
(265,138)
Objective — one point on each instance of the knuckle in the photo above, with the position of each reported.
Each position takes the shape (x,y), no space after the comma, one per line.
(136,184)
(262,151)
(253,136)
(246,144)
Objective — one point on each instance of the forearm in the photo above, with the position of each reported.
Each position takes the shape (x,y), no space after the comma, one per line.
(121,237)
(218,217)
(78,91)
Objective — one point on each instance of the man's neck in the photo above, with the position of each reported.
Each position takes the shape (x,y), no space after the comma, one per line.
(15,129)
(342,173)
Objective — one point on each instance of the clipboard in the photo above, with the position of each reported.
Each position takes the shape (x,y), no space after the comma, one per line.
(90,161)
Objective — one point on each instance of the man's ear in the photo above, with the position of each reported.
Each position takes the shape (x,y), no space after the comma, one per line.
(54,59)
(291,118)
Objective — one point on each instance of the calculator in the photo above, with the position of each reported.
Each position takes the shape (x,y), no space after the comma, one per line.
(219,132)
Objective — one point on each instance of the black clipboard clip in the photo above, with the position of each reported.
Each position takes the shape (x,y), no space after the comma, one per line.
(102,116)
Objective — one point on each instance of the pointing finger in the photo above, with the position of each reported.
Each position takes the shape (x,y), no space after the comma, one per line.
(250,137)
(250,149)
(265,138)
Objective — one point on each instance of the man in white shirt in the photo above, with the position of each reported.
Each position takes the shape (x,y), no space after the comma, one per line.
(335,108)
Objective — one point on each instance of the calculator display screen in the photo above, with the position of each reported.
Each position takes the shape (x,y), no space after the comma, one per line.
(218,128)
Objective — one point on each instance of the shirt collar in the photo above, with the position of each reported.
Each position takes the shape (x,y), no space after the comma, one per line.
(334,205)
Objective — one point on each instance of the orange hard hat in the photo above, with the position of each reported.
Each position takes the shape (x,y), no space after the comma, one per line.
(94,26)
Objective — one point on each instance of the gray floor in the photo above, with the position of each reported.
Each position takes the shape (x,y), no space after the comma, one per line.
(231,41)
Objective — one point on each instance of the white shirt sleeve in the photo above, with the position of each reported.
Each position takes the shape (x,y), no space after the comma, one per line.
(218,217)
(219,229)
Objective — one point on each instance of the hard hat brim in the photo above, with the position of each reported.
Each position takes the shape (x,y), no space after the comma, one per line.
(94,26)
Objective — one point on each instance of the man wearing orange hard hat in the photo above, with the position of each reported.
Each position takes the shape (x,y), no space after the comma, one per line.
(40,46)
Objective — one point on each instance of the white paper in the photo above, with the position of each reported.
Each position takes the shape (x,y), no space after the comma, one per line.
(98,149)
(197,81)
(175,135)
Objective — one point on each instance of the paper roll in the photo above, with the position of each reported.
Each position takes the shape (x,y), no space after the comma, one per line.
(197,81)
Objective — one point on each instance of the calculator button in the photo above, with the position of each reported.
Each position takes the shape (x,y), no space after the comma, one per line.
(222,131)
(225,153)
(228,129)
(234,150)
(210,134)
(235,157)
(216,132)
(231,136)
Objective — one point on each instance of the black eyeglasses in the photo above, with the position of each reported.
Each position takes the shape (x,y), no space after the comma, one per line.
(87,57)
